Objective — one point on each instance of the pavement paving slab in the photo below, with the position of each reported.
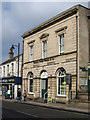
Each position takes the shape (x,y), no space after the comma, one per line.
(75,107)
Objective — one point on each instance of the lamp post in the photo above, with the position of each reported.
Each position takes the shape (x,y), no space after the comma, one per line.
(13,47)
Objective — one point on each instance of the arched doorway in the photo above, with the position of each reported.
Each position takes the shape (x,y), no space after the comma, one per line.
(44,84)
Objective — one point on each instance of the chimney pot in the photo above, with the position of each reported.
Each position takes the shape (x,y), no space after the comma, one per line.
(11,53)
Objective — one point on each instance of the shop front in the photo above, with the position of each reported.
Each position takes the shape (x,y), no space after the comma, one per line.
(9,86)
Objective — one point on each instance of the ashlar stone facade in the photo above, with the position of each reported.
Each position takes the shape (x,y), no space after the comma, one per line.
(53,53)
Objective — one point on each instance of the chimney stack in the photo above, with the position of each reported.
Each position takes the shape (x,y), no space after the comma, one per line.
(11,53)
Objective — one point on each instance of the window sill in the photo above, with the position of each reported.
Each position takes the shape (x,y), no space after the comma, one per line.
(30,93)
(61,53)
(30,60)
(61,95)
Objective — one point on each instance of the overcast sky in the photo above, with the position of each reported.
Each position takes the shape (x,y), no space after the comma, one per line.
(19,17)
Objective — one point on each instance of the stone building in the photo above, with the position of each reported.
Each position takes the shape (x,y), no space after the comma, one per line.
(56,55)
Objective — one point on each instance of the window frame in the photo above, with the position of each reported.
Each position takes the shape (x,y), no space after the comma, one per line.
(61,44)
(30,78)
(59,78)
(12,67)
(7,69)
(31,53)
(44,49)
(3,71)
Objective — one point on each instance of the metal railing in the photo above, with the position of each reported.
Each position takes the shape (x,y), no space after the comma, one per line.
(46,93)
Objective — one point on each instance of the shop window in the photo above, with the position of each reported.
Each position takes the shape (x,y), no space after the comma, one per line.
(31,83)
(61,83)
(44,49)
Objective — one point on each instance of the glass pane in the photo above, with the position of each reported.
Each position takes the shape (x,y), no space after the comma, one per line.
(62,73)
(31,85)
(31,49)
(65,90)
(62,48)
(61,43)
(45,45)
(63,86)
(62,89)
(31,75)
(59,73)
(58,85)
(31,57)
(31,52)
(62,39)
(43,84)
(44,48)
(62,81)
(45,54)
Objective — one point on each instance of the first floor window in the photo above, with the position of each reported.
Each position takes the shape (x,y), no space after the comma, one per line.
(3,70)
(61,82)
(44,49)
(12,68)
(31,53)
(31,83)
(7,69)
(61,43)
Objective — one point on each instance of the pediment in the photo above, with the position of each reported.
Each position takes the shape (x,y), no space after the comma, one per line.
(44,35)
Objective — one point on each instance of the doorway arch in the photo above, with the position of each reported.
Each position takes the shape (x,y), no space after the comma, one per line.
(44,83)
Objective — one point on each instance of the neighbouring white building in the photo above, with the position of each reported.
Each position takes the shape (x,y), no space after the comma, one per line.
(9,79)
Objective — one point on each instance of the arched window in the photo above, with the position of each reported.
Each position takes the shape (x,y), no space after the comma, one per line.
(31,82)
(61,82)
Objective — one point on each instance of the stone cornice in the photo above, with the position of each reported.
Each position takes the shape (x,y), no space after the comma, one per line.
(52,21)
(48,58)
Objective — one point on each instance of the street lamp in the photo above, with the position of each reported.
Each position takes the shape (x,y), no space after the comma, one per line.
(13,47)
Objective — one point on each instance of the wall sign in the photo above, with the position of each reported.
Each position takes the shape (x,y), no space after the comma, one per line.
(49,100)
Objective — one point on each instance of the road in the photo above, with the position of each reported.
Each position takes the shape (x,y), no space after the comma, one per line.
(18,110)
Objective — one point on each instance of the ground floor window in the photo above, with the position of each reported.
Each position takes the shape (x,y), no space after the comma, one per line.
(61,82)
(31,83)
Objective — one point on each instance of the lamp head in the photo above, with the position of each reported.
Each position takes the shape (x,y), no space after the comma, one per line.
(12,47)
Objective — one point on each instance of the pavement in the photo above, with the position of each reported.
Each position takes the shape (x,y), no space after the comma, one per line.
(72,107)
